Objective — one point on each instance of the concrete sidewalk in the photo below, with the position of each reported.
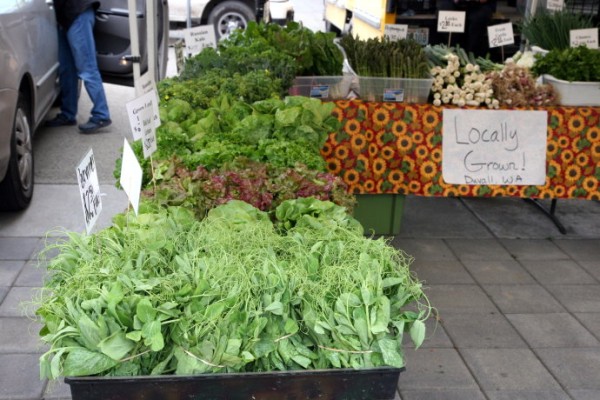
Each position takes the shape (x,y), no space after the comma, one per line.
(518,302)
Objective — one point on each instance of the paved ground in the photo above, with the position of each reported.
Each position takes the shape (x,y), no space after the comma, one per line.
(518,302)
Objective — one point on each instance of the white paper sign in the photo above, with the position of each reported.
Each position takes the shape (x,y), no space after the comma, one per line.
(148,132)
(395,32)
(587,37)
(555,5)
(136,107)
(89,190)
(146,84)
(494,147)
(131,176)
(199,38)
(451,21)
(501,35)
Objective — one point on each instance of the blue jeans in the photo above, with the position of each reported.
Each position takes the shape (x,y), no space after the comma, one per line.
(77,60)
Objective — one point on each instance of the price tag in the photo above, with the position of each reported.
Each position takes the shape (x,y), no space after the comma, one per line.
(148,132)
(131,176)
(89,190)
(501,35)
(395,32)
(134,111)
(393,95)
(451,21)
(319,91)
(555,5)
(146,84)
(586,37)
(199,38)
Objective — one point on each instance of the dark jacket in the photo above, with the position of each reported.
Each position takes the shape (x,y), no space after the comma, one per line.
(67,10)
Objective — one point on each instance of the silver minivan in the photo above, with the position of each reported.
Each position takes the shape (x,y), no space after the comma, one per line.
(29,76)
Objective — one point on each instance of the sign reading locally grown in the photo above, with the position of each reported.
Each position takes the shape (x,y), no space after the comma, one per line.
(494,147)
(89,190)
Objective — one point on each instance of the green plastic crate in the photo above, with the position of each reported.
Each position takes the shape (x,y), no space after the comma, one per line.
(380,214)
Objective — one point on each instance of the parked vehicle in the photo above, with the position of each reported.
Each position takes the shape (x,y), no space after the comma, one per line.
(29,79)
(229,15)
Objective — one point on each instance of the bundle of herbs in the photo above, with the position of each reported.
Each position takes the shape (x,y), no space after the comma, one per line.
(163,293)
(573,64)
(262,185)
(551,29)
(384,58)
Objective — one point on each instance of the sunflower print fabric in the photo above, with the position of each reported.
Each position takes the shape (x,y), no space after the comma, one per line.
(397,148)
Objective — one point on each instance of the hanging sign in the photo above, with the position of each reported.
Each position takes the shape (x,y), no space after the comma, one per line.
(494,147)
(395,32)
(451,21)
(131,176)
(501,35)
(587,37)
(89,190)
(199,38)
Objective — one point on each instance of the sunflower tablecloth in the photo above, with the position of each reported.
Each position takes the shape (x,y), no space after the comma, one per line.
(397,148)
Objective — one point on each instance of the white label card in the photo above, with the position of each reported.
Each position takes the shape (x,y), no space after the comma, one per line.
(451,21)
(199,38)
(319,91)
(587,37)
(131,176)
(393,95)
(135,109)
(146,84)
(494,147)
(555,5)
(395,32)
(501,35)
(148,132)
(89,190)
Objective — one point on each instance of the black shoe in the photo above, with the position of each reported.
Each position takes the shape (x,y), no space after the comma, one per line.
(94,125)
(59,120)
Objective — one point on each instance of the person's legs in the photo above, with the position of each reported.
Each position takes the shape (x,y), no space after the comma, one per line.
(68,79)
(83,48)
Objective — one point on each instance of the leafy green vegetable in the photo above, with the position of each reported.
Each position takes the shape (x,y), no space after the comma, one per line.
(164,293)
(580,64)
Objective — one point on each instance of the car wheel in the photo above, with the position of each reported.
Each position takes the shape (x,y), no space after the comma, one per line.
(17,186)
(229,16)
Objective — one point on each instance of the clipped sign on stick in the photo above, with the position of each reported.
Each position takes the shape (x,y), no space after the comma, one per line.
(451,21)
(131,176)
(199,38)
(501,35)
(89,190)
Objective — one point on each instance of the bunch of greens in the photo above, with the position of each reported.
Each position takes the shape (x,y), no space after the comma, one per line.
(573,64)
(384,58)
(550,30)
(262,185)
(280,132)
(255,56)
(163,293)
(202,90)
(313,53)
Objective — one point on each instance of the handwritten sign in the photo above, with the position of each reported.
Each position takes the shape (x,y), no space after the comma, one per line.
(555,5)
(451,21)
(89,190)
(494,147)
(131,176)
(148,132)
(199,38)
(146,84)
(587,37)
(501,35)
(395,32)
(135,109)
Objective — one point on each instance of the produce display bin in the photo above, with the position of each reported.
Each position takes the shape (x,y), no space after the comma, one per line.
(330,384)
(402,90)
(380,214)
(575,93)
(322,87)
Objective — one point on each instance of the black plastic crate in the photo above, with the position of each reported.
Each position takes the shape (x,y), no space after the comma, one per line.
(329,384)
